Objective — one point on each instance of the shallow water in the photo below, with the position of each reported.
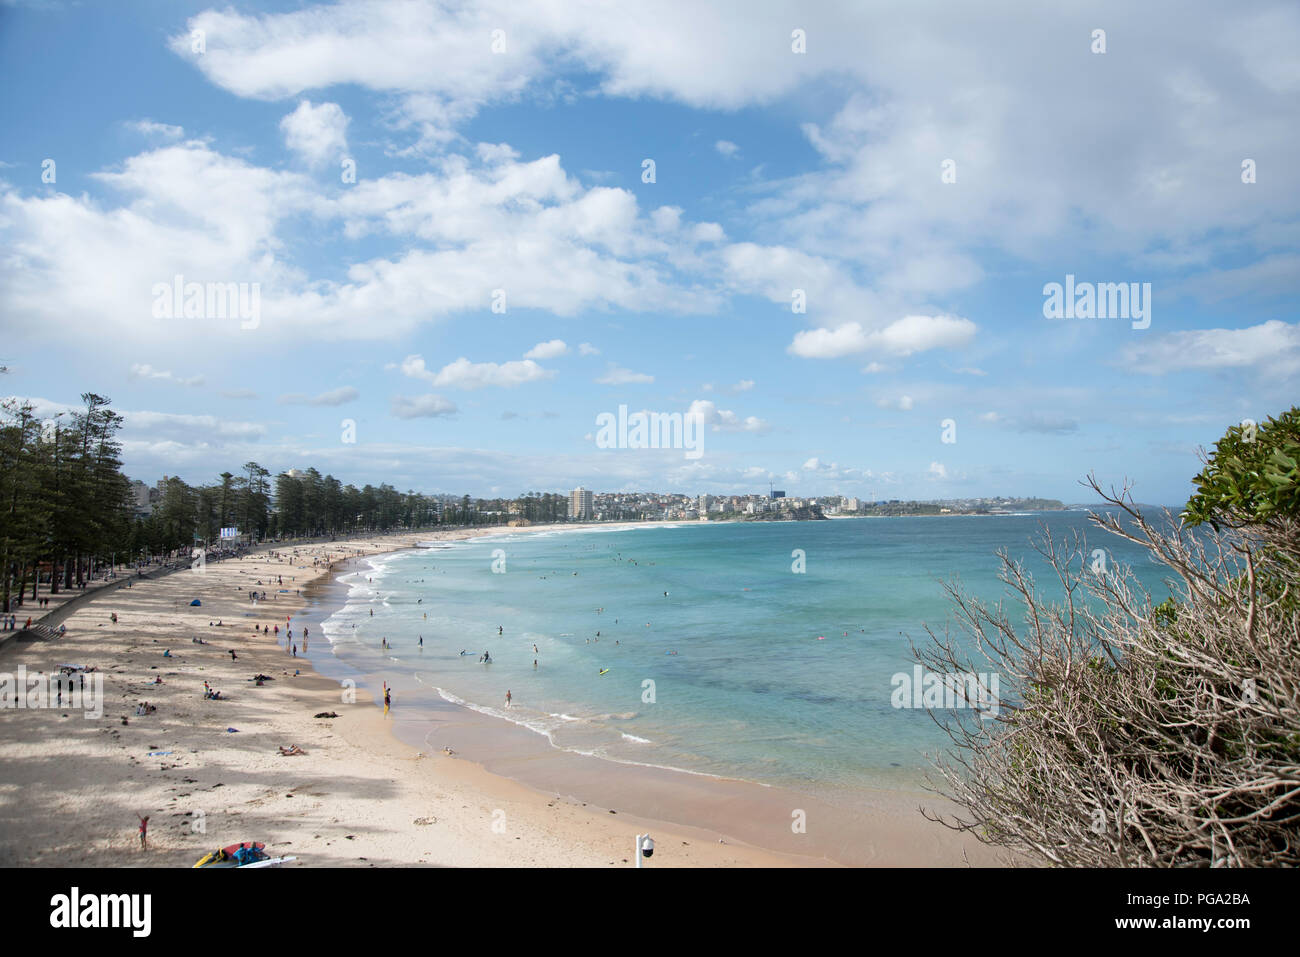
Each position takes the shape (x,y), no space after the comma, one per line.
(721,657)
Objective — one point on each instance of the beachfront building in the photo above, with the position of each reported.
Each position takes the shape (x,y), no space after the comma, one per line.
(581,506)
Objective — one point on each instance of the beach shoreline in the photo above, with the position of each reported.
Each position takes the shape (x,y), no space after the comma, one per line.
(560,809)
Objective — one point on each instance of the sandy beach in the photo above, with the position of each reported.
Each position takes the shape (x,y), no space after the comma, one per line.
(366,791)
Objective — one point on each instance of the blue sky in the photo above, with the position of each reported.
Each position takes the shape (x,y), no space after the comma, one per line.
(521,170)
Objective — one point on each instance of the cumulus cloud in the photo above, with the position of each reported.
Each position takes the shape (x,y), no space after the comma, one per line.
(547,350)
(726,148)
(463,374)
(867,204)
(903,403)
(318,134)
(900,338)
(587,349)
(466,228)
(723,420)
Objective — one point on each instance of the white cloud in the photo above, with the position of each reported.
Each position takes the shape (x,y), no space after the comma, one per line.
(139,371)
(156,130)
(1140,187)
(939,470)
(723,420)
(463,374)
(547,350)
(707,233)
(1272,347)
(460,231)
(338,396)
(666,219)
(421,406)
(617,375)
(900,338)
(587,349)
(726,148)
(186,429)
(318,134)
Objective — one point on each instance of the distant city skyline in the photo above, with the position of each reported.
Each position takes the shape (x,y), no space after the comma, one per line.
(283,236)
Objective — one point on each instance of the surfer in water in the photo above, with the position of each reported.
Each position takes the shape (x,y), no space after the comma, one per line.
(500,630)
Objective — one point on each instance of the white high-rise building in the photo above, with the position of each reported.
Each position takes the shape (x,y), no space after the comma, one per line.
(581,505)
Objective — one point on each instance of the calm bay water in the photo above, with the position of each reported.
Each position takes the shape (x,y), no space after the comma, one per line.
(758,672)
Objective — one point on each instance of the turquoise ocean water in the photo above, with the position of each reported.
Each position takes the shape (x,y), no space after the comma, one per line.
(778,677)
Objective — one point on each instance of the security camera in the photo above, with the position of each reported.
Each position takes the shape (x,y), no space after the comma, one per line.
(647,847)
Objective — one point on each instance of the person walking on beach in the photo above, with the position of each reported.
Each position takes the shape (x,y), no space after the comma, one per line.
(144,832)
(507,697)
(388,698)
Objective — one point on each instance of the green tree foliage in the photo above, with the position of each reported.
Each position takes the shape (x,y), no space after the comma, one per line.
(66,507)
(1251,477)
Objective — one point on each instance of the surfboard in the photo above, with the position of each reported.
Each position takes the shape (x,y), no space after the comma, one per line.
(604,671)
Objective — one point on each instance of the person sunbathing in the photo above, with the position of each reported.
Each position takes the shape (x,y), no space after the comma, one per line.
(291,751)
